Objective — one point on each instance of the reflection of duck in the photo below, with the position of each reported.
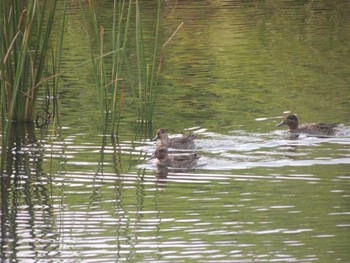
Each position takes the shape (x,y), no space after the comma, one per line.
(310,128)
(184,142)
(164,160)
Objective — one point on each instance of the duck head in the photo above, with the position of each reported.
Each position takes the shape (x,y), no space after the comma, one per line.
(162,135)
(291,120)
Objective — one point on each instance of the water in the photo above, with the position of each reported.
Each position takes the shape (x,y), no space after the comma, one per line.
(256,195)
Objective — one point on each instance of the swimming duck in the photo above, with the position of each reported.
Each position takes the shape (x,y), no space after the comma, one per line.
(309,128)
(184,142)
(165,160)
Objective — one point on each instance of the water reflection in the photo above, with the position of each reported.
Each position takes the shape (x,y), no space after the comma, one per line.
(107,210)
(24,188)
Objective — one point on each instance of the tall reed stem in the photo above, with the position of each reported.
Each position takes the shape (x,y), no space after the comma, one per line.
(109,74)
(146,71)
(25,31)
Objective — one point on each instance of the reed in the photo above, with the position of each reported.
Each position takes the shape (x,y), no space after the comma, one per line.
(110,61)
(119,41)
(148,66)
(56,62)
(26,32)
(98,35)
(107,73)
(147,74)
(25,45)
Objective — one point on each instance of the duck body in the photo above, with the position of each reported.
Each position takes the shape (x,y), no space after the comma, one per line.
(186,141)
(325,129)
(185,161)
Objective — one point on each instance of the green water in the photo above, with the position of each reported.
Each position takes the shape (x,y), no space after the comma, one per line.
(228,76)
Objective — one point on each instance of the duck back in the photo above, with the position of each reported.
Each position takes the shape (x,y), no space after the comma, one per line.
(318,128)
(184,142)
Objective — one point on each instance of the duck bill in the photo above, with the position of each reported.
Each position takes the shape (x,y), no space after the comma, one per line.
(155,138)
(281,124)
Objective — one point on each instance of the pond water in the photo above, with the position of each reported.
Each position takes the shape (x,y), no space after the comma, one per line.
(256,195)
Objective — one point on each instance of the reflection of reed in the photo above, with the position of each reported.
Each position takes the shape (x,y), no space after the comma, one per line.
(25,197)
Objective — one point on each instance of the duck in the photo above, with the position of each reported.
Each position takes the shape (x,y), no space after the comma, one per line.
(320,129)
(184,161)
(186,141)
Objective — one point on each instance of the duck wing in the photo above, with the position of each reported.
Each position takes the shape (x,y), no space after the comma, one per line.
(185,157)
(186,138)
(320,128)
(183,142)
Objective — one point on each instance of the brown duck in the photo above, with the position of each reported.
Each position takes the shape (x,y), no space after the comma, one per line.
(186,141)
(326,129)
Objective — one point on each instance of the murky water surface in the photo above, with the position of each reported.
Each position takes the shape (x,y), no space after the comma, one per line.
(256,195)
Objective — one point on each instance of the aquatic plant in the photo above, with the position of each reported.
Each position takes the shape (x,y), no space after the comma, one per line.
(147,75)
(26,65)
(148,67)
(25,46)
(114,71)
(108,74)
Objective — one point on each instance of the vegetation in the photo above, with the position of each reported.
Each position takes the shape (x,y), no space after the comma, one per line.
(29,59)
(147,74)
(107,75)
(25,46)
(110,73)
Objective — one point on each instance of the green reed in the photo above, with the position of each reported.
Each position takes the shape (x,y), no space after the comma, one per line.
(56,61)
(111,64)
(107,72)
(148,67)
(100,81)
(119,42)
(25,45)
(26,33)
(147,73)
